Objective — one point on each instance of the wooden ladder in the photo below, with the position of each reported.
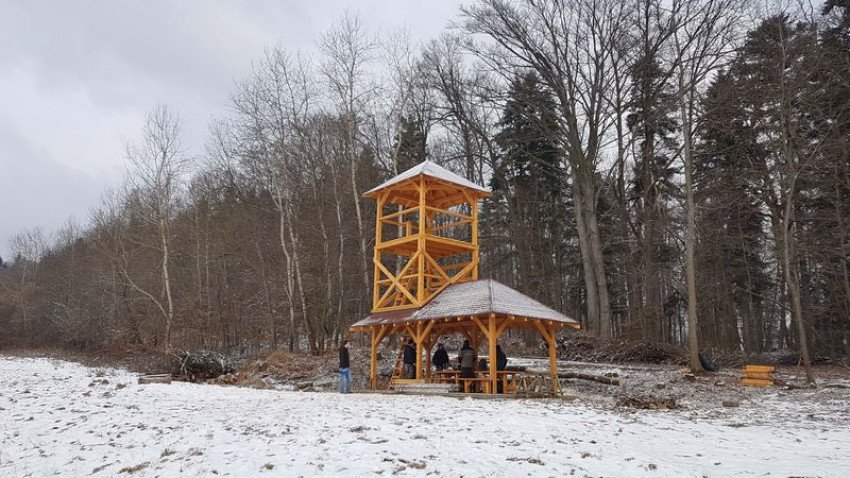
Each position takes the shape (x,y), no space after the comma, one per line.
(398,369)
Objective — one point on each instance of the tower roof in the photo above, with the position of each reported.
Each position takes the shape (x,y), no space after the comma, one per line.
(431,170)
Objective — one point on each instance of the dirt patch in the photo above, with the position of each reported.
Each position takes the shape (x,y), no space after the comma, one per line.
(648,403)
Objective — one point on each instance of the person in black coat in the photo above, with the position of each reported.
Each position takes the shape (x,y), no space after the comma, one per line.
(344,368)
(501,364)
(409,359)
(501,359)
(440,358)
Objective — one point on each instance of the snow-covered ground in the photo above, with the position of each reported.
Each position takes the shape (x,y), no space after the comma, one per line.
(63,419)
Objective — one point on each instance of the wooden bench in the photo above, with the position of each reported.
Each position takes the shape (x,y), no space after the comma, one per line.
(757,376)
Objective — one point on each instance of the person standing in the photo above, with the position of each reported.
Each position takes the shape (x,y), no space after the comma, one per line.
(344,368)
(501,359)
(440,358)
(409,359)
(467,359)
(501,365)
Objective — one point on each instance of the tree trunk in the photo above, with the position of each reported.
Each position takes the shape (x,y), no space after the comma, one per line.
(792,278)
(690,236)
(166,279)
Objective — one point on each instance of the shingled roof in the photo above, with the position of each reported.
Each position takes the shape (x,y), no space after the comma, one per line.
(430,169)
(477,298)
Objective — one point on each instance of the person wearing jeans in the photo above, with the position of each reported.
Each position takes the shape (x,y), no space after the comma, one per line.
(344,369)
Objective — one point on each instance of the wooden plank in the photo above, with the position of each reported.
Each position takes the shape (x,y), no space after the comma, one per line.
(759,368)
(147,379)
(758,375)
(753,382)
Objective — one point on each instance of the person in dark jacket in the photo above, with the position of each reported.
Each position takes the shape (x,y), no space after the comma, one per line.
(501,359)
(501,364)
(440,358)
(409,359)
(344,368)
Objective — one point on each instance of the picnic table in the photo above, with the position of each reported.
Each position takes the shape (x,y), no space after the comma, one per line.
(508,379)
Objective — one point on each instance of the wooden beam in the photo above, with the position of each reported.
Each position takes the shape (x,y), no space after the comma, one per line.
(396,283)
(420,291)
(475,254)
(504,326)
(427,329)
(481,326)
(399,213)
(446,212)
(418,340)
(491,342)
(436,266)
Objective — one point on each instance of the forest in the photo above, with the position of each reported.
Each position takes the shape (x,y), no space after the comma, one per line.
(666,170)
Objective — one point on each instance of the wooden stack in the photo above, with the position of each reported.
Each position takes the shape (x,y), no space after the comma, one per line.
(757,376)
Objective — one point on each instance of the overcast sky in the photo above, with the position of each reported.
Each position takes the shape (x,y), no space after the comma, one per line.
(77,78)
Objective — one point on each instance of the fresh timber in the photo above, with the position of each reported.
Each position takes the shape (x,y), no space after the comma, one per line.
(163,378)
(757,376)
(594,378)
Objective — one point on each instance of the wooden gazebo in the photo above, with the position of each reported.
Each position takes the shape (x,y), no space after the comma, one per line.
(426,273)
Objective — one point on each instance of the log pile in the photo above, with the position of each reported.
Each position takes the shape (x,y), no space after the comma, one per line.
(203,365)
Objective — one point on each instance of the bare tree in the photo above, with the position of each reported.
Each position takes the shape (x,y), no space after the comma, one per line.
(348,49)
(703,36)
(572,46)
(157,167)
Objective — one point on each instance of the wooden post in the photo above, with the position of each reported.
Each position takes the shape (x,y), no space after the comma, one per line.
(475,239)
(491,341)
(428,345)
(373,359)
(420,291)
(379,223)
(418,340)
(553,361)
(548,335)
(378,334)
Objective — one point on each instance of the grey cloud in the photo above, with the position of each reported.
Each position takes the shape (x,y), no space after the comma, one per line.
(77,77)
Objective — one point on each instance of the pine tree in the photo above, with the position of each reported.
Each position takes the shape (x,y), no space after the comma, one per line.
(652,123)
(528,184)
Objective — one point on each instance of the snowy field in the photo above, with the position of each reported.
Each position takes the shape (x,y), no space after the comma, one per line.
(63,419)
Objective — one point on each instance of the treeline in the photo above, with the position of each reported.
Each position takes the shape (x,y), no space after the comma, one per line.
(659,169)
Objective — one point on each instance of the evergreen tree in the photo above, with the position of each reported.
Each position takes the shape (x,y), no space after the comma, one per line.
(529,189)
(653,126)
(731,253)
(410,146)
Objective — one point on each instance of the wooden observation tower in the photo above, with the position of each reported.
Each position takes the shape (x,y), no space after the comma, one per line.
(426,236)
(426,280)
